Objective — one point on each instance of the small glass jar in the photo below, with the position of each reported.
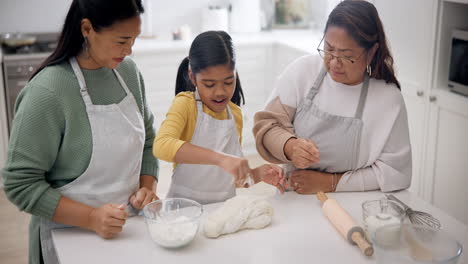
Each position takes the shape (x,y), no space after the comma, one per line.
(378,213)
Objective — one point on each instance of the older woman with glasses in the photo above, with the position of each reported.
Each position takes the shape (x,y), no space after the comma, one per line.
(338,121)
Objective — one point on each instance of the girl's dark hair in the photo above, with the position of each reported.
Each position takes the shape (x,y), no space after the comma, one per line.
(361,20)
(210,48)
(101,13)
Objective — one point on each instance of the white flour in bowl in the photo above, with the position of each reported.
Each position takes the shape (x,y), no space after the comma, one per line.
(172,234)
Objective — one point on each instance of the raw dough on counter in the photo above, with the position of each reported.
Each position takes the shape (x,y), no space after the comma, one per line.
(240,212)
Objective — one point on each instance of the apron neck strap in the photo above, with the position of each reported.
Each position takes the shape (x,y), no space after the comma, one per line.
(81,80)
(362,98)
(318,81)
(79,74)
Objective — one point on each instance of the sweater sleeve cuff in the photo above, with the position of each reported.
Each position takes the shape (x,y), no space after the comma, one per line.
(274,141)
(46,205)
(150,168)
(360,180)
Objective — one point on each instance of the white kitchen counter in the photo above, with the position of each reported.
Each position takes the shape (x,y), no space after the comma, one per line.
(300,233)
(306,40)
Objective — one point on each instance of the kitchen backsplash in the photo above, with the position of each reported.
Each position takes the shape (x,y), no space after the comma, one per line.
(36,16)
(32,16)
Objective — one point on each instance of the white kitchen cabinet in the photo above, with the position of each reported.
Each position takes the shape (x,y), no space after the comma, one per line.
(159,70)
(410,34)
(253,71)
(258,67)
(416,106)
(447,155)
(438,119)
(285,55)
(446,168)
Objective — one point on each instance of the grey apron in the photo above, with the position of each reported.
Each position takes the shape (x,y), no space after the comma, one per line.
(208,183)
(337,138)
(113,173)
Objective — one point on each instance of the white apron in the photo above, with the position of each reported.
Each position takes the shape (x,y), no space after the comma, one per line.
(337,138)
(113,174)
(208,183)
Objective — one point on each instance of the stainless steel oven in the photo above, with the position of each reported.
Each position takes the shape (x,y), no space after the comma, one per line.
(19,64)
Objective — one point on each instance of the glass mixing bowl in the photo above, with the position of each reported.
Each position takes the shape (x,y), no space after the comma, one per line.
(411,244)
(173,222)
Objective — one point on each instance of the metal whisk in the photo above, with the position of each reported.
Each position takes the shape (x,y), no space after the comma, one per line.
(416,217)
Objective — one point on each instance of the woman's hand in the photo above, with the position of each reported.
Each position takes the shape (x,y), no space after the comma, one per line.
(271,174)
(309,181)
(301,152)
(237,167)
(143,197)
(108,220)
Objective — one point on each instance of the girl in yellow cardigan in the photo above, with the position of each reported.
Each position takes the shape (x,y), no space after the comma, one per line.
(202,130)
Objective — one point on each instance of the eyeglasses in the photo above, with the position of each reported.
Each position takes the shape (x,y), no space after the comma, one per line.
(346,60)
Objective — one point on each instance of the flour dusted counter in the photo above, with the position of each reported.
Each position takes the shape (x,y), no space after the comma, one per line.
(299,233)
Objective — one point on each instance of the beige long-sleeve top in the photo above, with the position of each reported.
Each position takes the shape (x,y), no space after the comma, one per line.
(385,151)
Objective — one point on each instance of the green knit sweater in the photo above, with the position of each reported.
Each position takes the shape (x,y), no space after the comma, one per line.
(51,143)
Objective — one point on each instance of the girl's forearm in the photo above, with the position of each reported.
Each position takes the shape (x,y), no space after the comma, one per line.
(191,154)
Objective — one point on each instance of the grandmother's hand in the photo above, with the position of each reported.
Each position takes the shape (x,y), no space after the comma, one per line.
(309,181)
(301,152)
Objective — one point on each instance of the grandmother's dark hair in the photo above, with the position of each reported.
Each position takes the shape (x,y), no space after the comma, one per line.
(210,48)
(361,20)
(101,13)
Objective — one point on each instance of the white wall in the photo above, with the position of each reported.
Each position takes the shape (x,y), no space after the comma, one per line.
(32,15)
(48,15)
(169,15)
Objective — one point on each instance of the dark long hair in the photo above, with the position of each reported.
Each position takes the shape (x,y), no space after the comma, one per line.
(101,13)
(361,20)
(210,48)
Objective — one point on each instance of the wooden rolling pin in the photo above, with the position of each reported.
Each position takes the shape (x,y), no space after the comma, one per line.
(345,224)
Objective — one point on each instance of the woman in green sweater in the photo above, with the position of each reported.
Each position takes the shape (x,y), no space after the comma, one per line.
(80,151)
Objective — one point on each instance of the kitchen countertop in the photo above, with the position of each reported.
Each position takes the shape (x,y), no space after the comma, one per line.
(305,40)
(299,233)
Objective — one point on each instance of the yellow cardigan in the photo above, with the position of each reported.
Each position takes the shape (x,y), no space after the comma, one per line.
(179,125)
